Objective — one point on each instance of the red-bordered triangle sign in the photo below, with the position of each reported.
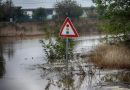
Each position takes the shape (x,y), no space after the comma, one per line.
(68,29)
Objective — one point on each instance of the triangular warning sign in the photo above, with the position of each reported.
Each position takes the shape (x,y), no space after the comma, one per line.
(68,30)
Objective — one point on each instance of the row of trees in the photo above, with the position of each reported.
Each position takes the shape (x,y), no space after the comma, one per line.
(63,9)
(8,10)
(66,8)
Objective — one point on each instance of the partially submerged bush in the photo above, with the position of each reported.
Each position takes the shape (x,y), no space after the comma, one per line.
(111,56)
(56,50)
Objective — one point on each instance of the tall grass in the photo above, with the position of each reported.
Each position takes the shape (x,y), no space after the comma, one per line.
(111,56)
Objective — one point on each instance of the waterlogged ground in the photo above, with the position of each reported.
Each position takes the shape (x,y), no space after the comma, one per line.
(24,66)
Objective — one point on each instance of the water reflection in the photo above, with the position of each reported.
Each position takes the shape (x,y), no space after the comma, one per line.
(10,50)
(76,78)
(27,68)
(80,78)
(2,63)
(82,75)
(2,66)
(60,80)
(65,82)
(118,77)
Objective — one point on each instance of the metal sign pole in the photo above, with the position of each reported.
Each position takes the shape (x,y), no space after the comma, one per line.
(67,61)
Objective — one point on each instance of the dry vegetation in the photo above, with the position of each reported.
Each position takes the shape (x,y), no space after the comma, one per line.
(111,56)
(21,29)
(38,28)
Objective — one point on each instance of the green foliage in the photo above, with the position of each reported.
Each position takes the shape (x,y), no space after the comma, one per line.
(68,8)
(115,16)
(39,14)
(56,50)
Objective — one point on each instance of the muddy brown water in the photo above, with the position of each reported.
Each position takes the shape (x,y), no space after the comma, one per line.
(24,66)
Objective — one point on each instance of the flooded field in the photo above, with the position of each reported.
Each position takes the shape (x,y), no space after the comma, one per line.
(24,66)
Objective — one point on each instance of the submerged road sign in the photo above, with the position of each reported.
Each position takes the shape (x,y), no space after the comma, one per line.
(68,29)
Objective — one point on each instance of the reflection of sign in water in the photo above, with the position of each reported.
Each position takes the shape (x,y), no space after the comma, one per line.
(68,30)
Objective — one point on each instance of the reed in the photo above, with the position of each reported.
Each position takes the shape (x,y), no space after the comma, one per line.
(111,56)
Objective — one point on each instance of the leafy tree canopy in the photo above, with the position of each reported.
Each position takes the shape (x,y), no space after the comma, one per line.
(116,16)
(68,8)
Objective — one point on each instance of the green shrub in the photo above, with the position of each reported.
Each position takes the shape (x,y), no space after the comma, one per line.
(56,50)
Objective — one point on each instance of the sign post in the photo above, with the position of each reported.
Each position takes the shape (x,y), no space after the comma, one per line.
(68,31)
(66,58)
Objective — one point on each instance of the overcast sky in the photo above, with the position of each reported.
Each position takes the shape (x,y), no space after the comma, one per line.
(46,3)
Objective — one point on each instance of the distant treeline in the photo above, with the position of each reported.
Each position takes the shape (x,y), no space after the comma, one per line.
(9,12)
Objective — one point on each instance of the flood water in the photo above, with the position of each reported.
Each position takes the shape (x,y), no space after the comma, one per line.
(24,66)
